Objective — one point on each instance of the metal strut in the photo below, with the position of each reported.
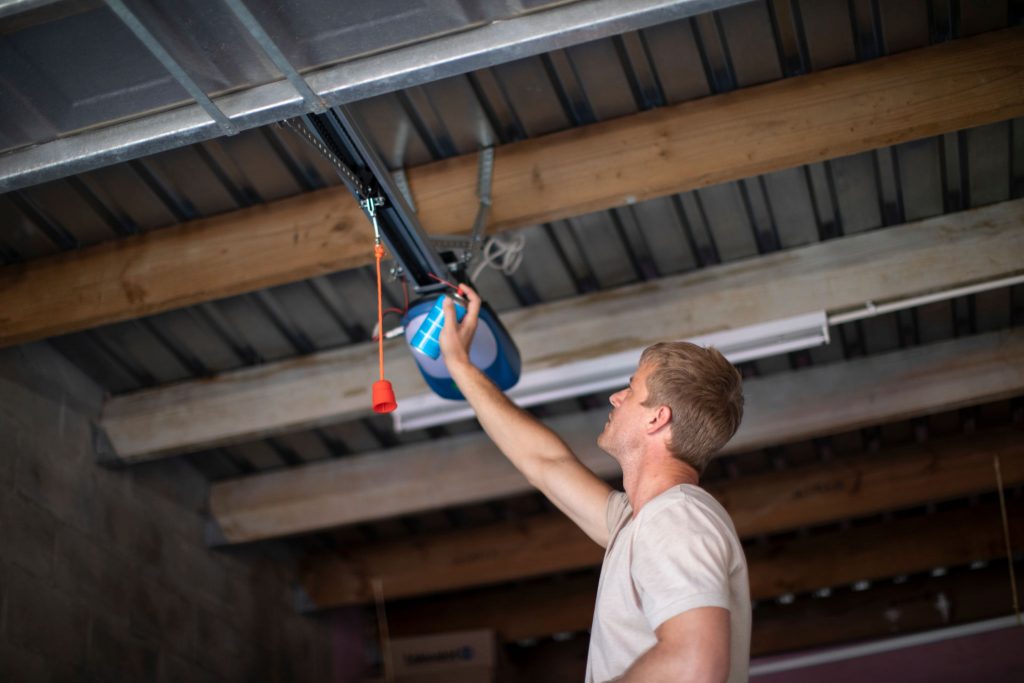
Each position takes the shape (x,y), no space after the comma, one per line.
(472,246)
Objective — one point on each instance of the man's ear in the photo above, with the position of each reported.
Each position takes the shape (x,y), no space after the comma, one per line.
(660,418)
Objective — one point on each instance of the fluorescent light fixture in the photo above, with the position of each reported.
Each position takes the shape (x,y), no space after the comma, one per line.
(613,371)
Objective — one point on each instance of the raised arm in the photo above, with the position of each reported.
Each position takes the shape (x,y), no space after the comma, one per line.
(536,451)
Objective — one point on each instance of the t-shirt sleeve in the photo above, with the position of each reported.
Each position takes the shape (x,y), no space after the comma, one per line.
(616,508)
(681,561)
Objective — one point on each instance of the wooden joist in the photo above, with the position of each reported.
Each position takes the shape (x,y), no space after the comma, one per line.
(884,611)
(800,120)
(543,609)
(467,468)
(766,504)
(935,254)
(537,609)
(954,538)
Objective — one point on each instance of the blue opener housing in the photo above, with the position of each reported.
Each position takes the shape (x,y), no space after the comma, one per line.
(493,351)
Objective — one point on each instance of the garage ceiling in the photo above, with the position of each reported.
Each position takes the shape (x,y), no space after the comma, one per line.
(102,148)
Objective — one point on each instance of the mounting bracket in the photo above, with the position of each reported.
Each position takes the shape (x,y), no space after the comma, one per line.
(338,137)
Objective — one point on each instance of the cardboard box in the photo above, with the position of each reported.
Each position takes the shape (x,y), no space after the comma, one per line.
(463,657)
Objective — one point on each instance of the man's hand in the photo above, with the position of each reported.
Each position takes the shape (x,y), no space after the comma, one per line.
(457,337)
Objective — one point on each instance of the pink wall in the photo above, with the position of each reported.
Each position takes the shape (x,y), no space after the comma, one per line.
(993,656)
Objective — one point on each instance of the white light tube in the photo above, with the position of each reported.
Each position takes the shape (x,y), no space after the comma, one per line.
(879,646)
(871,309)
(613,371)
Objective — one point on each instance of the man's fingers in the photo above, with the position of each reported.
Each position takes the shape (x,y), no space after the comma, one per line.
(456,338)
(449,338)
(450,319)
(469,322)
(473,309)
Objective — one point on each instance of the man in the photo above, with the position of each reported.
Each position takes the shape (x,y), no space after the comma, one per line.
(673,600)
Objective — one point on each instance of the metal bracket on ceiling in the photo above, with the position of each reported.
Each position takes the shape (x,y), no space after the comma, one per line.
(403,185)
(484,180)
(387,201)
(154,47)
(313,101)
(253,27)
(338,137)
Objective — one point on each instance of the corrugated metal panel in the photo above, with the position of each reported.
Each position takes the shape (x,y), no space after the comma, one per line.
(115,76)
(739,47)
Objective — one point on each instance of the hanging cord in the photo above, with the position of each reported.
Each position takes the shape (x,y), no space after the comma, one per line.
(395,331)
(501,253)
(382,391)
(371,204)
(378,252)
(1006,537)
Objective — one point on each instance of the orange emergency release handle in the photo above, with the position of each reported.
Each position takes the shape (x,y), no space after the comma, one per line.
(383,393)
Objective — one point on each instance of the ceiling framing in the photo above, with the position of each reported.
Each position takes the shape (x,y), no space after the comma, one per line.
(675,170)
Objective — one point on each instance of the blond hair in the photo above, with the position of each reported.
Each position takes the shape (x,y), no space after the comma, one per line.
(704,392)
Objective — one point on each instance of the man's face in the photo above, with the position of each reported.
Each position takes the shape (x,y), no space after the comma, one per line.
(625,429)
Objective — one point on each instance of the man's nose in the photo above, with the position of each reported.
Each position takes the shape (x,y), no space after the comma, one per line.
(616,398)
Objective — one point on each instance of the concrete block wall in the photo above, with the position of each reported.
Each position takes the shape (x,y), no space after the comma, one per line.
(104,574)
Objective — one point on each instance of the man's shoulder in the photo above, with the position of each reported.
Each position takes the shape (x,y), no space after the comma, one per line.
(686,502)
(688,520)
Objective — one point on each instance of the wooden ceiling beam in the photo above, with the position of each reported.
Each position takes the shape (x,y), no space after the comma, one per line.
(536,609)
(843,619)
(948,87)
(833,276)
(467,468)
(953,538)
(766,504)
(886,611)
(873,553)
(883,611)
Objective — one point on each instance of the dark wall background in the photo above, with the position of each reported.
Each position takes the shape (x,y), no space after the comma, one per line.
(104,574)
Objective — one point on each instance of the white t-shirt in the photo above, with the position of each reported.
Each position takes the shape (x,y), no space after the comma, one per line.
(680,552)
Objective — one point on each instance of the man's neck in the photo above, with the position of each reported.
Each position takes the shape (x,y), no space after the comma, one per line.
(648,477)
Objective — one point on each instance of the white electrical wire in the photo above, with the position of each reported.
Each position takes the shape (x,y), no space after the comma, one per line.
(501,253)
(388,334)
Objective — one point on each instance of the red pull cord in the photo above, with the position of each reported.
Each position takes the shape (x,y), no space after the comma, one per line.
(378,252)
